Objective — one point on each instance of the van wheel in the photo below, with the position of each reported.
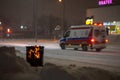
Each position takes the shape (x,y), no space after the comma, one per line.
(84,47)
(63,46)
(98,50)
(75,48)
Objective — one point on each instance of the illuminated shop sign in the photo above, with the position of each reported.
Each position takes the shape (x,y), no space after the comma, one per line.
(105,2)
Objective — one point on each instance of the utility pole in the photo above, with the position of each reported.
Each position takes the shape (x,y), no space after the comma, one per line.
(35,19)
(63,15)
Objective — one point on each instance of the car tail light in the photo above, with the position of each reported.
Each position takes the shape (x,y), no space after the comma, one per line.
(92,40)
(106,40)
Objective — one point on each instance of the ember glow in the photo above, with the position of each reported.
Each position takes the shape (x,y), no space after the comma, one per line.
(35,52)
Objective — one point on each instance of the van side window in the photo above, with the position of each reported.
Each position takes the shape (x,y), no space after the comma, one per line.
(96,33)
(103,33)
(67,34)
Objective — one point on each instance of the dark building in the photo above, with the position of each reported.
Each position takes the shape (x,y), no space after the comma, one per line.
(45,14)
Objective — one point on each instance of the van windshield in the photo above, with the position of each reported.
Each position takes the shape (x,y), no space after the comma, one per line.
(67,34)
(98,33)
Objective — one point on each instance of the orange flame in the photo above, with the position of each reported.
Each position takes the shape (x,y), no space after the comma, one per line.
(34,52)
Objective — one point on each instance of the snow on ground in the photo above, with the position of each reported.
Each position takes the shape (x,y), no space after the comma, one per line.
(13,67)
(16,68)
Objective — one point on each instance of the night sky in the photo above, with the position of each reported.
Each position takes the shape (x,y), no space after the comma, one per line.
(16,12)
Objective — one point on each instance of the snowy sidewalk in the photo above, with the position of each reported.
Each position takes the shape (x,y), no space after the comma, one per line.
(114,42)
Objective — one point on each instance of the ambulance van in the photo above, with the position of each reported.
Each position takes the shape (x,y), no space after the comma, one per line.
(85,37)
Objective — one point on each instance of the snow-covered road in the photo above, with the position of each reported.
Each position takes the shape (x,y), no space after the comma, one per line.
(109,56)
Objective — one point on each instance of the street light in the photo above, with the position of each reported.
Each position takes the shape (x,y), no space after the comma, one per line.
(60,1)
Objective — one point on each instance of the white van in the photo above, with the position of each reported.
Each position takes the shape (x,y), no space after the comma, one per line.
(85,36)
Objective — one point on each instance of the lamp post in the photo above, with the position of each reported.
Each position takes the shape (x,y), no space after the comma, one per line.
(62,2)
(34,18)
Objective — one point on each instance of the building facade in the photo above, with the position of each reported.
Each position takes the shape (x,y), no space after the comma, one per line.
(108,15)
